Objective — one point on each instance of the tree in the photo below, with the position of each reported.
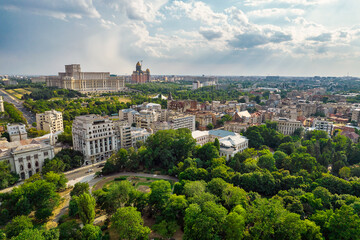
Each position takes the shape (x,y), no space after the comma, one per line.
(58,179)
(160,194)
(344,224)
(70,230)
(267,161)
(7,178)
(86,204)
(18,225)
(53,165)
(217,144)
(207,152)
(80,188)
(166,228)
(29,234)
(234,226)
(128,224)
(210,126)
(117,196)
(345,172)
(91,232)
(287,148)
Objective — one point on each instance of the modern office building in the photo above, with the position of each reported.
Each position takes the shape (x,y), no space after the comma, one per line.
(86,82)
(94,136)
(50,121)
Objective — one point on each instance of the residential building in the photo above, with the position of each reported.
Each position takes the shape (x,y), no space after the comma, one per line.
(50,121)
(26,157)
(17,131)
(94,136)
(356,115)
(236,127)
(182,121)
(86,82)
(2,109)
(354,137)
(230,142)
(128,115)
(138,135)
(323,126)
(140,76)
(146,118)
(288,126)
(123,134)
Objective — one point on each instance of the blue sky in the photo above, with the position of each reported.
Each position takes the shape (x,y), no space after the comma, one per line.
(213,37)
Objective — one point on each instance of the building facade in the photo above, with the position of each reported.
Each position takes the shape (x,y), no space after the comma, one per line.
(2,109)
(323,126)
(140,76)
(230,142)
(86,82)
(94,136)
(26,157)
(50,121)
(17,131)
(287,126)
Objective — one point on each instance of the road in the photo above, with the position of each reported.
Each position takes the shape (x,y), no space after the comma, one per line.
(30,117)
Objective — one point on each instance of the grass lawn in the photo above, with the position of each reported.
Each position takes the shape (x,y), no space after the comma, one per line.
(18,92)
(140,183)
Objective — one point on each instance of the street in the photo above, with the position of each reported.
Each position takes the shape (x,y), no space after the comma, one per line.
(30,117)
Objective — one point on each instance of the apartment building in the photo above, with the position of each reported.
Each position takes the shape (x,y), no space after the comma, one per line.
(50,121)
(323,126)
(123,134)
(287,126)
(16,131)
(94,136)
(2,109)
(182,121)
(138,135)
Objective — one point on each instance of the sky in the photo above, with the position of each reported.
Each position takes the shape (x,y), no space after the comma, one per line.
(182,37)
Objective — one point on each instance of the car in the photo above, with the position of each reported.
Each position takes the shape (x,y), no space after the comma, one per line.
(101,165)
(89,170)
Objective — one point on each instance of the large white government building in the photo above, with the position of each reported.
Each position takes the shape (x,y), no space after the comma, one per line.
(86,82)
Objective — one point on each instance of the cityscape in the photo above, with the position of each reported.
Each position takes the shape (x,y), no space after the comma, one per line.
(195,132)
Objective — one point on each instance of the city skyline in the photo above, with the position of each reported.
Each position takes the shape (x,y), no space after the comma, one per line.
(257,37)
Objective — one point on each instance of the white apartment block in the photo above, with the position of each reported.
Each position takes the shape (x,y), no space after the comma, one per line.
(138,135)
(182,121)
(146,118)
(26,157)
(123,134)
(2,104)
(17,131)
(50,121)
(128,115)
(323,126)
(230,142)
(287,126)
(94,136)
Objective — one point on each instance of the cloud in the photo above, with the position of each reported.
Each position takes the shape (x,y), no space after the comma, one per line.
(139,10)
(210,34)
(276,12)
(255,3)
(324,37)
(61,9)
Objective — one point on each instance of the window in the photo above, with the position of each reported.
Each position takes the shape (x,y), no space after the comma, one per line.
(21,167)
(27,157)
(36,164)
(46,153)
(29,165)
(20,159)
(36,156)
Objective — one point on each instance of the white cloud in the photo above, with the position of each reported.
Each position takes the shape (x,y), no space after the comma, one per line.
(143,10)
(61,9)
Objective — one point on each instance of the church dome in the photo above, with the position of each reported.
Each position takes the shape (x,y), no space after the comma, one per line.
(138,64)
(148,70)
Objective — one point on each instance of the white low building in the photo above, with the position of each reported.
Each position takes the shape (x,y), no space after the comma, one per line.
(323,126)
(26,157)
(230,142)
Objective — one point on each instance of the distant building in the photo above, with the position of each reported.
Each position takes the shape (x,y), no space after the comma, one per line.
(2,109)
(41,79)
(230,142)
(287,126)
(323,126)
(86,82)
(123,134)
(50,121)
(26,157)
(138,135)
(94,136)
(17,131)
(140,76)
(356,116)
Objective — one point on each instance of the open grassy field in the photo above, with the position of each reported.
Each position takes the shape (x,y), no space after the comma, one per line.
(18,92)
